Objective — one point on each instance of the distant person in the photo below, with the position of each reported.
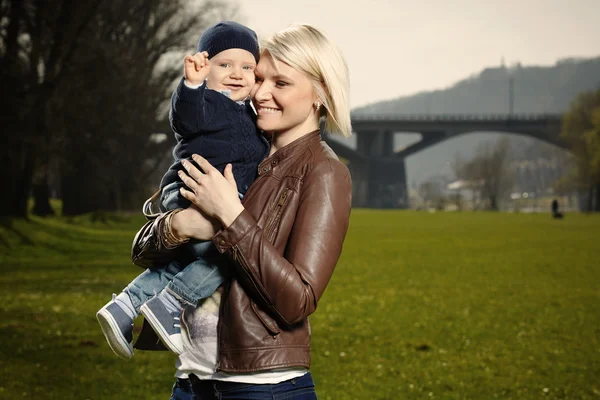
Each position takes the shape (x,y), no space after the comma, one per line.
(555,213)
(211,116)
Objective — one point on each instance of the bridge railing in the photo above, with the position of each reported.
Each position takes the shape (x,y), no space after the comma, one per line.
(454,117)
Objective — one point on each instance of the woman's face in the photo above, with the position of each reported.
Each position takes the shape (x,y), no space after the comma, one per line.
(284,98)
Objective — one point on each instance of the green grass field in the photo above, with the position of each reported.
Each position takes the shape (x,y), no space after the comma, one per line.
(421,306)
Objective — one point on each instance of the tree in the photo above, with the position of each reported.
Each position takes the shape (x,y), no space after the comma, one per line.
(37,39)
(432,194)
(490,168)
(100,120)
(457,165)
(581,131)
(108,153)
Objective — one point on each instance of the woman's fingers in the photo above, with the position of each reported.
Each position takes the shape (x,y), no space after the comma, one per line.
(194,172)
(194,177)
(186,194)
(189,182)
(204,164)
(228,173)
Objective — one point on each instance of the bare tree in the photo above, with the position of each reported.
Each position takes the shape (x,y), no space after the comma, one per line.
(37,39)
(98,121)
(457,165)
(132,60)
(490,167)
(581,131)
(431,193)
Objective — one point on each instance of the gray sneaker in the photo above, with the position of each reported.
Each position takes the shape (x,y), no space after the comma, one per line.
(165,324)
(117,327)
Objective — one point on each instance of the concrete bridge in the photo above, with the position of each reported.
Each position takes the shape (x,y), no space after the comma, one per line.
(378,170)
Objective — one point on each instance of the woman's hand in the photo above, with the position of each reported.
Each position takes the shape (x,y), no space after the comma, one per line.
(213,193)
(193,223)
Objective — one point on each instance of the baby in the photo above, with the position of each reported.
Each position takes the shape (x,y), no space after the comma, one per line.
(211,116)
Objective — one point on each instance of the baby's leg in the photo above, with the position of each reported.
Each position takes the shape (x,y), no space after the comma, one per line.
(199,279)
(150,283)
(116,317)
(196,281)
(158,306)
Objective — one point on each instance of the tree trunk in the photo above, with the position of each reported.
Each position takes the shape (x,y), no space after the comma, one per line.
(10,201)
(27,178)
(12,153)
(493,204)
(597,206)
(41,197)
(590,199)
(76,195)
(82,191)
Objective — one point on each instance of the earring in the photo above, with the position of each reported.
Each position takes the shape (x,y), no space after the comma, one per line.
(318,105)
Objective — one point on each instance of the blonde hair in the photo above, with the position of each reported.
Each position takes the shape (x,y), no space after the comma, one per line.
(309,50)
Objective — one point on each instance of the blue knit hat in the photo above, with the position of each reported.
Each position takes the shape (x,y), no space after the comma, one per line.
(228,35)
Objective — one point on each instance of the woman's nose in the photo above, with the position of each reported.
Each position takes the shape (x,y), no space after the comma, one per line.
(262,91)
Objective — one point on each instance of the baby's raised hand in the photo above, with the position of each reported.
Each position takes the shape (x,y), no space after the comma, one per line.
(196,68)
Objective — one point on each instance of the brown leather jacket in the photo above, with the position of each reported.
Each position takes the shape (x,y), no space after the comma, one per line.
(283,249)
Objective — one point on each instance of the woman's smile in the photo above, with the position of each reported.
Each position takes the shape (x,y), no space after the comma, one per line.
(267,110)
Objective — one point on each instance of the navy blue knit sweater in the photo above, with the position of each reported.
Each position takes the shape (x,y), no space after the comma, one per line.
(210,124)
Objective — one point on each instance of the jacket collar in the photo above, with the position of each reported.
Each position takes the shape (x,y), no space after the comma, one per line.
(289,150)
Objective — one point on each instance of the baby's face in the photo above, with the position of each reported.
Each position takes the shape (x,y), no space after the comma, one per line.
(233,70)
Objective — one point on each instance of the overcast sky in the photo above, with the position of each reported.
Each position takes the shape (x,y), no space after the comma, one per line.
(396,48)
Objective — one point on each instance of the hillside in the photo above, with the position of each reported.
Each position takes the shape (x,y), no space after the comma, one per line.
(536,89)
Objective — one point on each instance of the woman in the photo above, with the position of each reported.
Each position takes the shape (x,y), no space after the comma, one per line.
(281,243)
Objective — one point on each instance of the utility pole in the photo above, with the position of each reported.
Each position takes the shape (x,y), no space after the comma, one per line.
(511,80)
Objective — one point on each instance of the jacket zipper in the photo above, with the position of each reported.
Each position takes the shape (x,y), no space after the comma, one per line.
(276,214)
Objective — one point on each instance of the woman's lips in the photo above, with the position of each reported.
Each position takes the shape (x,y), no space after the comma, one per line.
(267,110)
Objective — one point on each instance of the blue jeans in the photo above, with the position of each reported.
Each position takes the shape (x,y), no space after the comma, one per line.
(182,390)
(301,388)
(190,283)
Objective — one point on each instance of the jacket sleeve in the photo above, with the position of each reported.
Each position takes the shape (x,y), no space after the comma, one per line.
(147,250)
(191,109)
(290,285)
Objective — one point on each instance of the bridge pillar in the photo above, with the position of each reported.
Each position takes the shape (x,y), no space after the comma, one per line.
(387,183)
(379,178)
(359,170)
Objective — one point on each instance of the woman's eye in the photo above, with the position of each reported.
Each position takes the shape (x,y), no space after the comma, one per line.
(257,79)
(281,83)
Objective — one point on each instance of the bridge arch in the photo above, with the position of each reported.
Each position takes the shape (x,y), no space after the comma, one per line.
(378,171)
